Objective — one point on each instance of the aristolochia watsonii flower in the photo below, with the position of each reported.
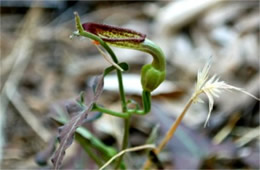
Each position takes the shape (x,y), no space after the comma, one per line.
(212,88)
(152,75)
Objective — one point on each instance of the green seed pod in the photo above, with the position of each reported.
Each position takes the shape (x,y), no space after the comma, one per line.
(151,77)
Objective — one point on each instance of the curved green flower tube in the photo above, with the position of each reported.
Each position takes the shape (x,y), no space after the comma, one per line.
(152,74)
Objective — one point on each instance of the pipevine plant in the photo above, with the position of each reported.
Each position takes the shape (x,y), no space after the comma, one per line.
(152,75)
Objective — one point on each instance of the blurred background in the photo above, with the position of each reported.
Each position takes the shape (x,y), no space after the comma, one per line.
(42,69)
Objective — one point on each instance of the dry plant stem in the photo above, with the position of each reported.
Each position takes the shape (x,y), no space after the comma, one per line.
(148,146)
(170,132)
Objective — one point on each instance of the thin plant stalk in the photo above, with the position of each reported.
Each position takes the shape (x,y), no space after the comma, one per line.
(125,140)
(147,146)
(127,120)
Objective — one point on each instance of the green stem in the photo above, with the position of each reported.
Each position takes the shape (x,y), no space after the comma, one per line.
(127,120)
(110,112)
(121,91)
(146,99)
(125,140)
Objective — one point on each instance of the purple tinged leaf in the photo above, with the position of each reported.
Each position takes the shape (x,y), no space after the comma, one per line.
(66,132)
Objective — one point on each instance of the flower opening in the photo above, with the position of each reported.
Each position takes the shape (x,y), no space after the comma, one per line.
(120,37)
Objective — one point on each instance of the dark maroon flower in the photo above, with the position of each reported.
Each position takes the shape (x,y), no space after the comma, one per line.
(116,36)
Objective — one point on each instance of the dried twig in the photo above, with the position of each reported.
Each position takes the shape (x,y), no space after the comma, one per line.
(148,146)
